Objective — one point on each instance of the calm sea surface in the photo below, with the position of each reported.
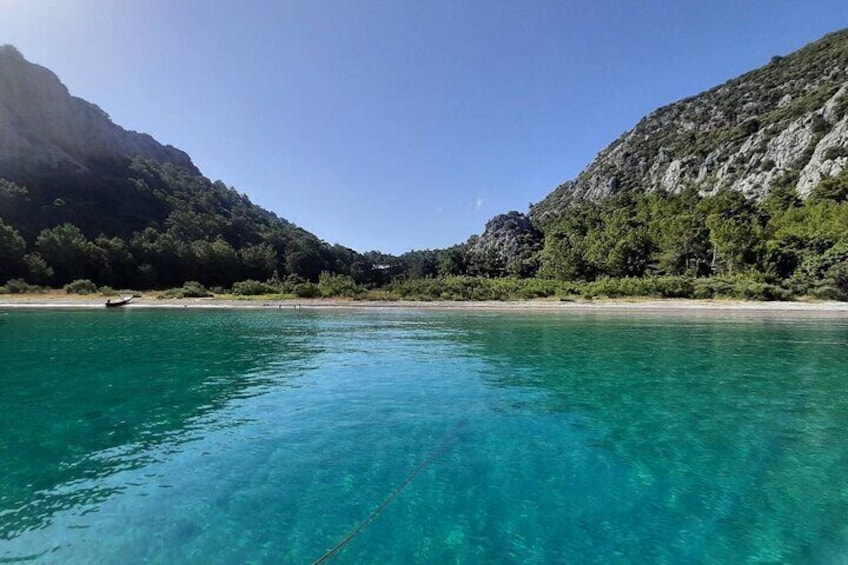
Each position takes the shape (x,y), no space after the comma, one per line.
(268,436)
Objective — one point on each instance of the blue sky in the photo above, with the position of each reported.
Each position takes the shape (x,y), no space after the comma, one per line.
(396,125)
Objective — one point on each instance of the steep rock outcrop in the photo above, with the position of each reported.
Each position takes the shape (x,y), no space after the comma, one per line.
(510,244)
(784,124)
(43,127)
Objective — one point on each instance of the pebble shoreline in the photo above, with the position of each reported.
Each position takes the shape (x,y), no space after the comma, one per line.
(630,305)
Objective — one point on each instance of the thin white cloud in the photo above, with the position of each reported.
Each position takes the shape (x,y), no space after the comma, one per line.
(479,203)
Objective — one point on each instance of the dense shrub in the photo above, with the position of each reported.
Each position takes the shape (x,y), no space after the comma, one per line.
(19,286)
(306,290)
(475,288)
(740,288)
(705,289)
(253,288)
(660,287)
(338,285)
(107,291)
(190,289)
(80,286)
(826,291)
(193,289)
(756,290)
(838,276)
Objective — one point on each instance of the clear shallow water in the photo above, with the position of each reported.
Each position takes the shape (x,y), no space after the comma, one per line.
(265,437)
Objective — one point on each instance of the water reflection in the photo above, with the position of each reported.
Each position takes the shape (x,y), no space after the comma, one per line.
(99,393)
(274,468)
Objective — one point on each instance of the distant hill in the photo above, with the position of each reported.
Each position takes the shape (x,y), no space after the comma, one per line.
(785,124)
(81,197)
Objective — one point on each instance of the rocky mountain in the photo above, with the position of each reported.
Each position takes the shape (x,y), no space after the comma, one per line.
(783,125)
(83,198)
(43,127)
(510,244)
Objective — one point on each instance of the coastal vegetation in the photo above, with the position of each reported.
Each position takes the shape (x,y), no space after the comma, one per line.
(740,192)
(142,224)
(659,243)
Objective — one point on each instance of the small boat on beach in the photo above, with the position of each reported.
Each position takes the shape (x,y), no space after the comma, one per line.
(122,302)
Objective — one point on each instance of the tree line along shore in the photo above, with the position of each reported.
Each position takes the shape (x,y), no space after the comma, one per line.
(683,245)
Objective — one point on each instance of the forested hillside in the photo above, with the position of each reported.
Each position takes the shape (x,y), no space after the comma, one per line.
(142,224)
(82,198)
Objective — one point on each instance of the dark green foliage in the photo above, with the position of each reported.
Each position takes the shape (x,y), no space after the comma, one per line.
(193,289)
(137,223)
(477,288)
(258,261)
(12,251)
(254,288)
(739,287)
(119,268)
(486,264)
(306,290)
(386,267)
(81,286)
(837,275)
(733,223)
(621,246)
(71,255)
(779,199)
(660,287)
(190,289)
(215,262)
(834,189)
(10,190)
(840,109)
(421,264)
(19,286)
(14,200)
(474,288)
(330,284)
(679,233)
(832,153)
(780,238)
(306,259)
(453,261)
(39,271)
(824,269)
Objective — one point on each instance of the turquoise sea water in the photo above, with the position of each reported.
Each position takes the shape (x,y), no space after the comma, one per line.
(267,436)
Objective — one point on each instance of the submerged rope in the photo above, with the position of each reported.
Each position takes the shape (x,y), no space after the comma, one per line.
(447,442)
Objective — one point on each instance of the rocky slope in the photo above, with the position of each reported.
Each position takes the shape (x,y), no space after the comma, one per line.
(784,124)
(510,244)
(43,127)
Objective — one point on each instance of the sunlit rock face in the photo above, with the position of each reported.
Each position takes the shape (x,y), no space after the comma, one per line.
(510,243)
(783,124)
(43,127)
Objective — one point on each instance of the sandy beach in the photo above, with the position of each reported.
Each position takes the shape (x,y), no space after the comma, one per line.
(684,306)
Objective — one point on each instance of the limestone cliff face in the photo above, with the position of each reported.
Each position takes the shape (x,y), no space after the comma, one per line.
(784,124)
(510,243)
(43,127)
